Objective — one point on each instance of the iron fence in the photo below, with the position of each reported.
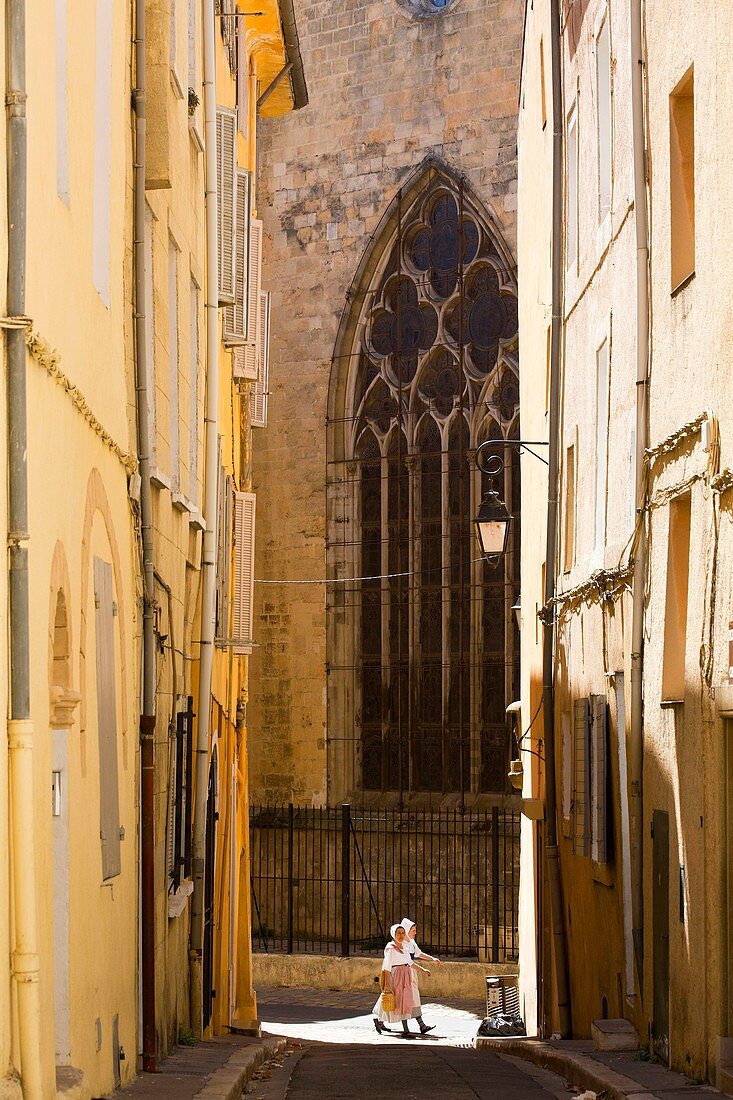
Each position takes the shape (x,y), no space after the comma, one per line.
(333,880)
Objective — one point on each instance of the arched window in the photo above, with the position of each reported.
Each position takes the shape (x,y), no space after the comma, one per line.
(423,657)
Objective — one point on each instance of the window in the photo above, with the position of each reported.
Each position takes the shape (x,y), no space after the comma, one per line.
(571,193)
(192,68)
(599,805)
(259,389)
(543,94)
(150,329)
(242,79)
(62,102)
(603,107)
(193,414)
(675,617)
(235,331)
(569,542)
(224,555)
(102,150)
(179,826)
(109,799)
(173,363)
(581,777)
(434,658)
(244,558)
(682,178)
(226,168)
(601,429)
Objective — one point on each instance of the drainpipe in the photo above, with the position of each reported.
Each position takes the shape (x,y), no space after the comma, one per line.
(147,717)
(26,964)
(557,915)
(208,555)
(636,754)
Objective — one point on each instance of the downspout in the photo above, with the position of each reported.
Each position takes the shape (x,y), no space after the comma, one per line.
(292,54)
(26,964)
(636,754)
(147,717)
(208,564)
(557,915)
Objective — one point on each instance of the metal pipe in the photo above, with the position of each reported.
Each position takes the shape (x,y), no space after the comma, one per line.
(147,717)
(636,748)
(26,963)
(208,555)
(557,916)
(292,52)
(273,85)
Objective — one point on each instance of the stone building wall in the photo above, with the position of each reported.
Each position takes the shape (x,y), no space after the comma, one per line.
(387,87)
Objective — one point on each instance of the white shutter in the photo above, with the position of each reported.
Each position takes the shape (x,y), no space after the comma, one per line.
(236,315)
(599,780)
(226,164)
(244,560)
(258,392)
(246,364)
(581,778)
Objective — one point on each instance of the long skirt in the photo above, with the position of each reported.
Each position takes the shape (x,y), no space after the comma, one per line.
(402,989)
(416,1006)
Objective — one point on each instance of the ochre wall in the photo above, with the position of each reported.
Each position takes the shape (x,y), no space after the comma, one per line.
(386,89)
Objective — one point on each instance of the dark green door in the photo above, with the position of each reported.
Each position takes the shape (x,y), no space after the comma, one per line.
(660,932)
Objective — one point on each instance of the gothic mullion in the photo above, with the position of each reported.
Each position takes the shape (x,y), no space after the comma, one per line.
(477,625)
(414,564)
(353,567)
(445,603)
(385,602)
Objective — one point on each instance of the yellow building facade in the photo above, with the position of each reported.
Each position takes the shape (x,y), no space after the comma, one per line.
(71,781)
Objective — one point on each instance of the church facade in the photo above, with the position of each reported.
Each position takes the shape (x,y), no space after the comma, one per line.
(387,650)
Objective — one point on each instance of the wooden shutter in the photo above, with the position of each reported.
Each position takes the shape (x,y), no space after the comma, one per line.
(581,778)
(599,779)
(248,365)
(224,555)
(109,799)
(244,558)
(226,164)
(236,316)
(258,392)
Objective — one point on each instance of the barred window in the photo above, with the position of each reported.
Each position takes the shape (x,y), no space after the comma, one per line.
(433,372)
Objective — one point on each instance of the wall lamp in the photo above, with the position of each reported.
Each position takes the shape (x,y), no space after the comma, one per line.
(493,521)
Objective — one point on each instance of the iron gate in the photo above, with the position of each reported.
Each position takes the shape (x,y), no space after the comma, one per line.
(333,880)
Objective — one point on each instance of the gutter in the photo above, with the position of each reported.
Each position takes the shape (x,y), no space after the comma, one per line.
(636,753)
(208,552)
(557,914)
(292,53)
(21,733)
(147,715)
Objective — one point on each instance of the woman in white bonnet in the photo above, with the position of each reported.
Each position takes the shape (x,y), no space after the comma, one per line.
(415,953)
(396,978)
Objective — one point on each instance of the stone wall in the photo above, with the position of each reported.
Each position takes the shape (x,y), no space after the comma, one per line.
(387,89)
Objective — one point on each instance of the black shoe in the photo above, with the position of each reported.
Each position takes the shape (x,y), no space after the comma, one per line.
(407,1035)
(379,1025)
(424,1028)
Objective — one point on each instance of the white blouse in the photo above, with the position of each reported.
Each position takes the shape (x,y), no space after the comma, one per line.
(395,956)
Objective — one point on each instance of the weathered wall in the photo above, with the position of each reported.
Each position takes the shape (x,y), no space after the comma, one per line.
(386,89)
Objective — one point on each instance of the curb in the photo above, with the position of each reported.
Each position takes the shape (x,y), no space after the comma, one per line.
(579,1069)
(229,1081)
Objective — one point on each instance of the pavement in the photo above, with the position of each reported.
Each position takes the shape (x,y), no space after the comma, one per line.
(318,1044)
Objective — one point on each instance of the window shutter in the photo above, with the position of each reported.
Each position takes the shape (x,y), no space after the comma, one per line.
(246,364)
(109,802)
(223,566)
(236,315)
(226,163)
(581,778)
(599,780)
(244,558)
(258,393)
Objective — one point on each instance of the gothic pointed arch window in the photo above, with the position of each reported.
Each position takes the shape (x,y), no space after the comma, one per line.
(423,649)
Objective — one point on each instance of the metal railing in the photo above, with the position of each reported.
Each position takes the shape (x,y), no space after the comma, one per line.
(333,880)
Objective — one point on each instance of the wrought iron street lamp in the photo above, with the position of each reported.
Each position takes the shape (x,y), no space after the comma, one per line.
(493,521)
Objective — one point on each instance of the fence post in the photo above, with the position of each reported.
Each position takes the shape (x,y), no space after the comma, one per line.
(345,878)
(495,884)
(290,878)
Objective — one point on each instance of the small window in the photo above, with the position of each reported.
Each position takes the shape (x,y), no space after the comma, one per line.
(601,442)
(571,193)
(193,380)
(603,106)
(581,777)
(179,835)
(569,542)
(543,94)
(682,179)
(675,617)
(599,803)
(173,362)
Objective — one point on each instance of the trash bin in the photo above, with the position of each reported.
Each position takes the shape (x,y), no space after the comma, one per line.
(502,996)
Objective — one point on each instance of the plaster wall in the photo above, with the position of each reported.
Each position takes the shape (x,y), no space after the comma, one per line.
(386,89)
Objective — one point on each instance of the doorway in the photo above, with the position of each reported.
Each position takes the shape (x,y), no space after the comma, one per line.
(660,933)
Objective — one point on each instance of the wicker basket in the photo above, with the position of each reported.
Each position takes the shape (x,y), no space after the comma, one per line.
(389,1002)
